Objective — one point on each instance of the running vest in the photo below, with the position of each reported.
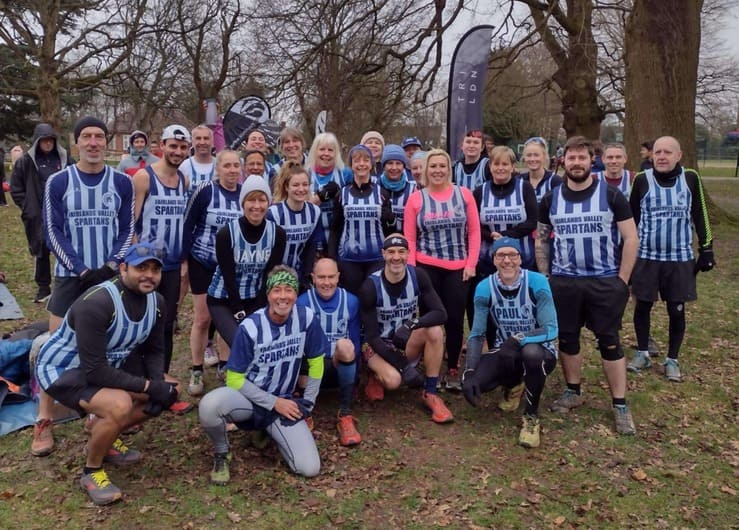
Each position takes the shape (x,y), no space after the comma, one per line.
(470,180)
(361,237)
(299,226)
(665,225)
(162,218)
(516,314)
(586,237)
(199,177)
(277,350)
(335,324)
(624,185)
(392,312)
(60,353)
(544,186)
(442,226)
(223,208)
(250,260)
(501,213)
(327,207)
(398,200)
(91,224)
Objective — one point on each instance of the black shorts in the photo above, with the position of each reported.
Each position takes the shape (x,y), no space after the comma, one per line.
(673,281)
(200,276)
(72,386)
(65,291)
(597,303)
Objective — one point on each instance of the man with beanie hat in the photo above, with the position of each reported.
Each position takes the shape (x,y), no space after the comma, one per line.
(27,183)
(161,198)
(89,233)
(396,179)
(376,144)
(138,154)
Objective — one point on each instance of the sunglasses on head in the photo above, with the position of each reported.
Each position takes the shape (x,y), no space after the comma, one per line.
(536,140)
(142,252)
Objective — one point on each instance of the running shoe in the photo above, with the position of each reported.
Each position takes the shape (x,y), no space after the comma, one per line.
(511,398)
(624,421)
(210,356)
(348,434)
(374,389)
(641,361)
(220,474)
(43,294)
(529,435)
(672,370)
(43,438)
(439,412)
(99,488)
(196,387)
(181,407)
(453,380)
(121,455)
(567,401)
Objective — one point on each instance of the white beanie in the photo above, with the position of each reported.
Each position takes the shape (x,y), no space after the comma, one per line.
(254,183)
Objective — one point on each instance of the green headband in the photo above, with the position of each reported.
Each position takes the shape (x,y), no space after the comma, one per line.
(282,278)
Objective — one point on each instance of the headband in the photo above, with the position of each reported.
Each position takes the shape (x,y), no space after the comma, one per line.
(282,278)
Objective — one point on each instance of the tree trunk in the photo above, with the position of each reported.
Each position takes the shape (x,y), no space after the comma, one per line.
(662,46)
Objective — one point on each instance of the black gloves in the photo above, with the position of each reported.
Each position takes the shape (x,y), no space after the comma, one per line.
(508,356)
(403,333)
(328,192)
(96,276)
(161,393)
(471,388)
(705,260)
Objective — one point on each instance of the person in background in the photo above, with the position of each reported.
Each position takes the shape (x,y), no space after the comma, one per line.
(470,172)
(535,155)
(326,171)
(376,144)
(645,152)
(138,154)
(201,165)
(292,146)
(417,162)
(411,145)
(394,179)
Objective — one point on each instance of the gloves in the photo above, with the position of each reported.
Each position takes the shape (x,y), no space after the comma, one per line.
(705,260)
(328,192)
(96,276)
(403,333)
(507,356)
(153,408)
(471,388)
(162,393)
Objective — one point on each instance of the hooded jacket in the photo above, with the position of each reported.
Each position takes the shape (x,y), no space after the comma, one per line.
(136,159)
(27,185)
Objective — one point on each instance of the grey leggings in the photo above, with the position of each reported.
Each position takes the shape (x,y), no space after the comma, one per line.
(295,442)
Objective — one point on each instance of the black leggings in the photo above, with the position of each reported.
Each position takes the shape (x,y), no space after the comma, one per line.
(222,317)
(453,293)
(170,290)
(353,274)
(642,323)
(533,363)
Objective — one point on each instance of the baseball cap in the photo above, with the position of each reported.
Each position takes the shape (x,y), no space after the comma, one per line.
(176,132)
(141,252)
(410,140)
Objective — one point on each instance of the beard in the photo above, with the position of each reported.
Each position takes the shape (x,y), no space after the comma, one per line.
(578,178)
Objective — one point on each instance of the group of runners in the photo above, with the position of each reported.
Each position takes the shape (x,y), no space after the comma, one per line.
(312,272)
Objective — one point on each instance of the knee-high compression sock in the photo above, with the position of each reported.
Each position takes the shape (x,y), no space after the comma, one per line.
(676,314)
(642,322)
(347,372)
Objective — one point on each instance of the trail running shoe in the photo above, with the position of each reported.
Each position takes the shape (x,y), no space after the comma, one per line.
(121,455)
(181,407)
(348,434)
(196,387)
(529,435)
(453,380)
(99,488)
(567,401)
(42,295)
(439,412)
(374,389)
(511,398)
(43,438)
(672,370)
(641,361)
(220,474)
(624,421)
(210,356)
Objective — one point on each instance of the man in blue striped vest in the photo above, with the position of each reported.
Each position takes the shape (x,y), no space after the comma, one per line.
(594,251)
(668,201)
(114,369)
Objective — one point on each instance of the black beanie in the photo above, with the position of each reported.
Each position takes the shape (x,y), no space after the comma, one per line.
(88,121)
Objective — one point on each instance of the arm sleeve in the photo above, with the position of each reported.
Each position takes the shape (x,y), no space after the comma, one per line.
(410,216)
(198,202)
(153,347)
(54,216)
(638,189)
(125,218)
(546,314)
(698,209)
(387,216)
(90,316)
(529,225)
(225,258)
(473,229)
(435,314)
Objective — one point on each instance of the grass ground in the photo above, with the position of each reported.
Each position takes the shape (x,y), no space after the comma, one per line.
(679,471)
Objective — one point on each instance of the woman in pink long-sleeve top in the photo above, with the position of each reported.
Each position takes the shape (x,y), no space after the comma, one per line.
(442,226)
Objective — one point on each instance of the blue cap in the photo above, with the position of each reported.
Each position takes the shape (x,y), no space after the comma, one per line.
(393,152)
(506,242)
(141,252)
(411,140)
